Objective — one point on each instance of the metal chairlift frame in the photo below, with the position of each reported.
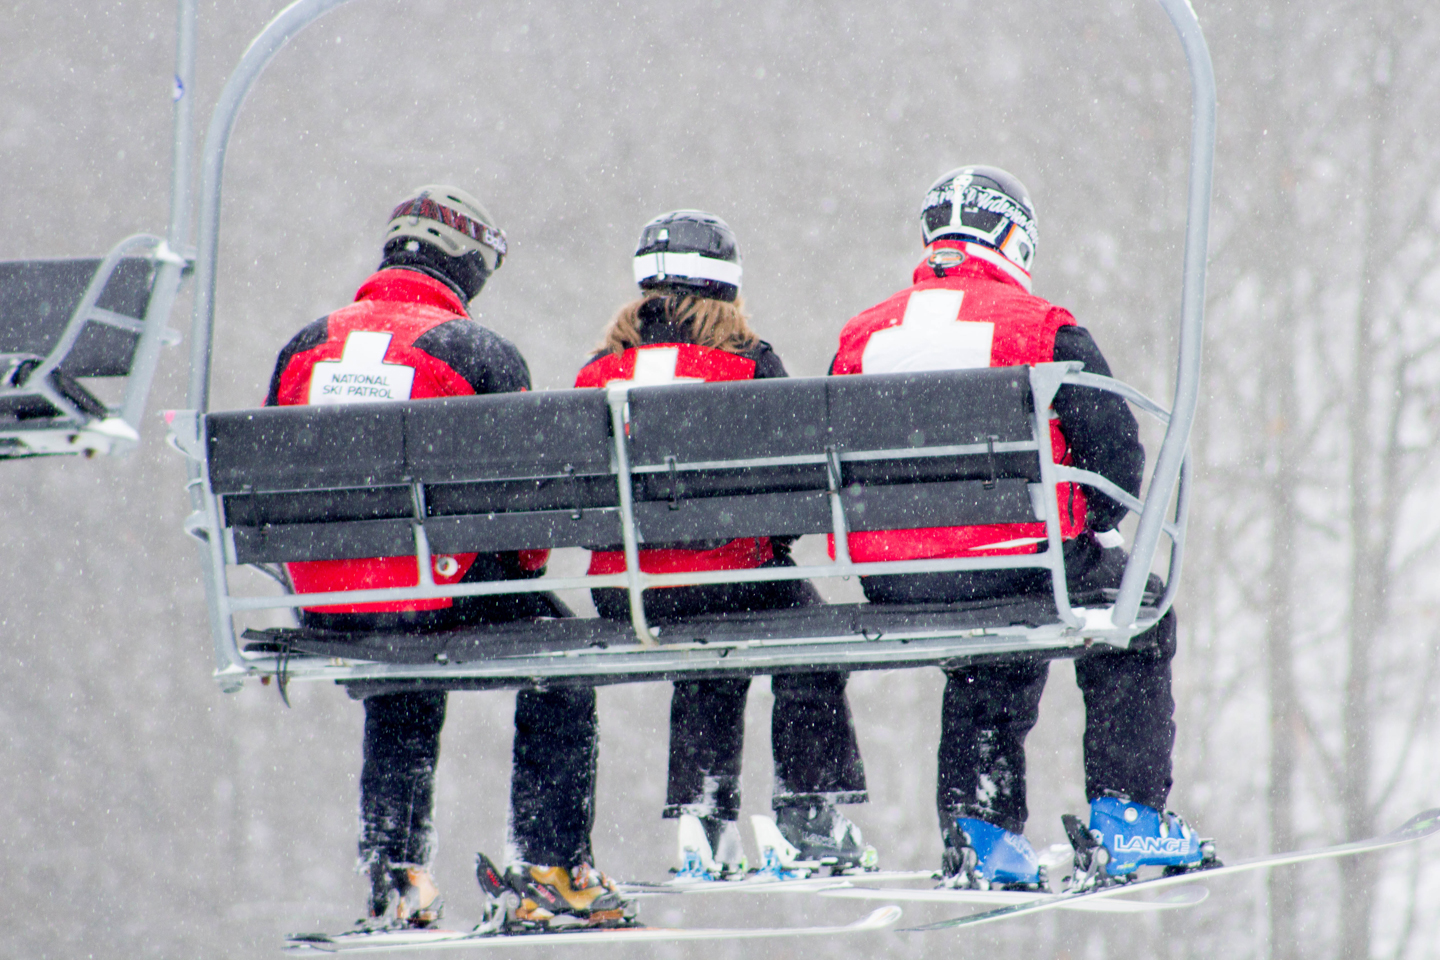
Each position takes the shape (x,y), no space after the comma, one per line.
(1114,624)
(117,430)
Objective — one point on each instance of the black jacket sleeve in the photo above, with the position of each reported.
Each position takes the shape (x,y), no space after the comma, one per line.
(487,361)
(310,337)
(767,362)
(1100,429)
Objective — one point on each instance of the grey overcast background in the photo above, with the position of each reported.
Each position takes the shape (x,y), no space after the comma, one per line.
(144,814)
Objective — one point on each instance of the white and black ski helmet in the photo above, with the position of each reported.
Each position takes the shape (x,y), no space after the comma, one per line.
(984,205)
(689,252)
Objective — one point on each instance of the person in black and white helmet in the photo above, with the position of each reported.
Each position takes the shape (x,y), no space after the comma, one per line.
(970,305)
(690,322)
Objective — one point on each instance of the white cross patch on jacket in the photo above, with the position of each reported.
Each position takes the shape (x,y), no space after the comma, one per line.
(361,375)
(931,336)
(655,366)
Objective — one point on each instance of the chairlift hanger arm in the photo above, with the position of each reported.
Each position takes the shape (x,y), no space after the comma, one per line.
(1173,448)
(257,56)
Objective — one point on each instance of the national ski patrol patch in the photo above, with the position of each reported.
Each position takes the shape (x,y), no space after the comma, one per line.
(361,375)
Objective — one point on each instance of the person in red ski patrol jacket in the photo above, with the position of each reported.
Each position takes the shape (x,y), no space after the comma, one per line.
(409,335)
(690,324)
(971,305)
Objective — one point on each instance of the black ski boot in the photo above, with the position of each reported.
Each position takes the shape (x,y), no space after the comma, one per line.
(822,835)
(402,896)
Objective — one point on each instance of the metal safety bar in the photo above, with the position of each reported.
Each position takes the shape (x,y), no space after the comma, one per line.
(1170,479)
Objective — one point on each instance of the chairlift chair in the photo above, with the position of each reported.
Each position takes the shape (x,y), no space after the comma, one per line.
(628,466)
(62,320)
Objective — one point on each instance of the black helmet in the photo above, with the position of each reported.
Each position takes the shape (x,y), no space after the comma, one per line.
(984,205)
(446,233)
(688,252)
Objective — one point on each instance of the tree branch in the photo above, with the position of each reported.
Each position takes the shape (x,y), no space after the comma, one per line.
(1333,773)
(1422,706)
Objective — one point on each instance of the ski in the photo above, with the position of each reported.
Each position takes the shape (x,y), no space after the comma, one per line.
(781,870)
(758,882)
(383,940)
(1416,828)
(1172,899)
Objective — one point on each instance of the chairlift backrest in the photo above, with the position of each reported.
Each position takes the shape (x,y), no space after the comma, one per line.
(529,471)
(62,320)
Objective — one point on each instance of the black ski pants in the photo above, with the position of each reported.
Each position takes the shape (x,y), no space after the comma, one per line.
(812,736)
(552,785)
(989,708)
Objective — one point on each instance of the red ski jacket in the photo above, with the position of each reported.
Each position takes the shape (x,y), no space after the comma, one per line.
(407,336)
(670,359)
(974,314)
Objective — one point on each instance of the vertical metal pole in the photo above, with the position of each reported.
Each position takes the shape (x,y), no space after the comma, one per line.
(424,563)
(1192,311)
(617,398)
(840,530)
(229,664)
(1043,384)
(1177,548)
(171,261)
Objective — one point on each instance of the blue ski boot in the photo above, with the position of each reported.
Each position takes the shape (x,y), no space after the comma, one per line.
(982,856)
(1125,836)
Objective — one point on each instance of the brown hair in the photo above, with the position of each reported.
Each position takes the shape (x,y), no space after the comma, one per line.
(719,324)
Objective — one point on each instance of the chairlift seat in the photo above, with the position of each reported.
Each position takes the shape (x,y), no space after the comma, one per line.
(704,463)
(62,320)
(38,297)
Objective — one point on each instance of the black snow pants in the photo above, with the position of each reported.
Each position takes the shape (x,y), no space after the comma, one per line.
(812,737)
(552,786)
(988,709)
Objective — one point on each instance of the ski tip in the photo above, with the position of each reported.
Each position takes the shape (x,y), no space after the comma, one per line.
(878,919)
(1421,825)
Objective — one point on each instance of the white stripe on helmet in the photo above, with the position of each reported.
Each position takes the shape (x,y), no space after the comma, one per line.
(690,265)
